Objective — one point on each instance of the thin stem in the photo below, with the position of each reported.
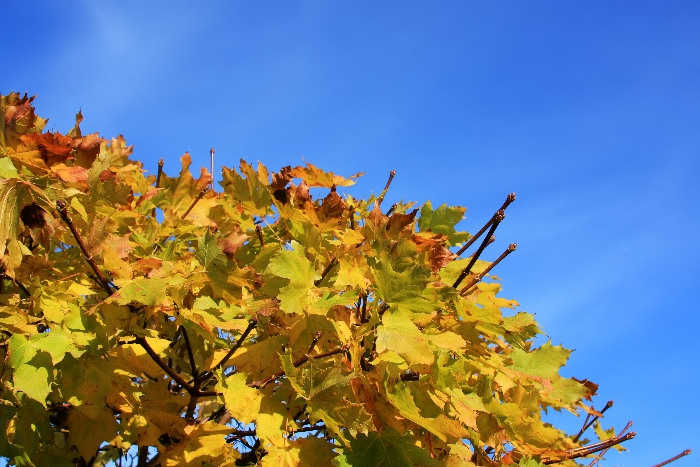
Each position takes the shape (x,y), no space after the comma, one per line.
(196,200)
(63,211)
(511,248)
(587,424)
(673,459)
(622,432)
(325,272)
(161,162)
(298,362)
(17,283)
(211,160)
(251,325)
(314,341)
(592,448)
(497,218)
(509,199)
(363,316)
(392,174)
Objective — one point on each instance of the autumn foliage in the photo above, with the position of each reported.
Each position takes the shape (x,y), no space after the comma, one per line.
(161,320)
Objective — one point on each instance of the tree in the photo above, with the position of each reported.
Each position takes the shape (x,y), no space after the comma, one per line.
(157,320)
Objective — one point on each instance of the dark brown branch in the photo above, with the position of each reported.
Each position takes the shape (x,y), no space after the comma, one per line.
(392,174)
(158,176)
(196,200)
(259,231)
(497,218)
(298,362)
(314,341)
(363,315)
(511,248)
(63,211)
(190,354)
(391,209)
(17,283)
(602,453)
(251,325)
(673,459)
(169,371)
(587,424)
(509,199)
(325,272)
(592,448)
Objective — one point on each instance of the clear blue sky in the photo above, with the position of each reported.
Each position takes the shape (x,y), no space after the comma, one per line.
(590,111)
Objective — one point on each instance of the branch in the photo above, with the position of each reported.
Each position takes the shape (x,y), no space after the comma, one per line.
(17,283)
(592,448)
(509,199)
(673,459)
(325,272)
(497,218)
(251,325)
(160,173)
(297,363)
(196,200)
(259,231)
(190,354)
(587,424)
(63,211)
(511,248)
(619,435)
(211,160)
(169,371)
(386,187)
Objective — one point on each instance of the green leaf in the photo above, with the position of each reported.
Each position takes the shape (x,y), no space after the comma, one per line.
(144,290)
(34,377)
(387,448)
(294,266)
(398,334)
(443,220)
(544,361)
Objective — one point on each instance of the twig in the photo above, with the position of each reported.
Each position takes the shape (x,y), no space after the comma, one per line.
(169,371)
(509,199)
(251,325)
(63,211)
(511,248)
(673,459)
(592,448)
(161,162)
(619,435)
(587,424)
(325,272)
(259,231)
(298,362)
(190,354)
(497,218)
(386,187)
(17,283)
(211,160)
(196,200)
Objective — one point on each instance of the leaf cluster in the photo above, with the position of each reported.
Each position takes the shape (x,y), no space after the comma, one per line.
(271,320)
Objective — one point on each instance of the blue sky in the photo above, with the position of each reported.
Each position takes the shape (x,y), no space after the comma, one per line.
(590,111)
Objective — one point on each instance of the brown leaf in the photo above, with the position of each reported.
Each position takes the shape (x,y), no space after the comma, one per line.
(434,245)
(281,178)
(333,205)
(230,244)
(74,174)
(398,221)
(55,147)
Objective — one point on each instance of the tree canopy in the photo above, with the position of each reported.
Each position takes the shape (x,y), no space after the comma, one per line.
(161,320)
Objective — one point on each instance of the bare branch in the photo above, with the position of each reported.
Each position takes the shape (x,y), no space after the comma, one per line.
(509,199)
(673,459)
(63,211)
(498,217)
(511,248)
